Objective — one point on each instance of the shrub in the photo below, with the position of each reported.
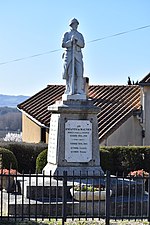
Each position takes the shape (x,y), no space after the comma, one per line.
(26,154)
(8,159)
(125,158)
(41,161)
(106,160)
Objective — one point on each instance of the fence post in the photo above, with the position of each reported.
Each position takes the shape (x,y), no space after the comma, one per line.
(64,197)
(148,208)
(1,161)
(107,203)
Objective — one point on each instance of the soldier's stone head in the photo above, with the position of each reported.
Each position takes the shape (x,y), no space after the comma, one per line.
(73,23)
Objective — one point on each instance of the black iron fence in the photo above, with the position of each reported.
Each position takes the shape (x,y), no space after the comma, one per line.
(34,196)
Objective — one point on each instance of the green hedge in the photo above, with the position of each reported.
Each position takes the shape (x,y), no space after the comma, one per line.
(119,160)
(8,159)
(125,158)
(115,159)
(25,154)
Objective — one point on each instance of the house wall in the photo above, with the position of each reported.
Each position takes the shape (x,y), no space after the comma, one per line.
(31,132)
(145,100)
(47,135)
(130,133)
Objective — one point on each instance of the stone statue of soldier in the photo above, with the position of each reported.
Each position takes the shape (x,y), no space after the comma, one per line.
(73,42)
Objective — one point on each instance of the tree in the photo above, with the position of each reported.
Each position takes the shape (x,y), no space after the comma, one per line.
(132,83)
(129,81)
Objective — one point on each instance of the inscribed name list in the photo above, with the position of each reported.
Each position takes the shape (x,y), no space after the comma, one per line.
(53,137)
(78,140)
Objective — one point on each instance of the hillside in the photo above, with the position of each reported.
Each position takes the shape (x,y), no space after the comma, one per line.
(10,120)
(10,116)
(11,100)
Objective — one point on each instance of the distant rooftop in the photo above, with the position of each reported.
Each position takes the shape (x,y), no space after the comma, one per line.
(145,81)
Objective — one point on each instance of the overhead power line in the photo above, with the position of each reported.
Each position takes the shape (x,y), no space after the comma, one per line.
(121,33)
(56,50)
(28,57)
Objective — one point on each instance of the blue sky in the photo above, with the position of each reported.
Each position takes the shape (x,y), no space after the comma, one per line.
(30,27)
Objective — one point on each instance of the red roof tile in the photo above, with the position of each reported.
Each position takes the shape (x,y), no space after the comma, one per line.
(117,104)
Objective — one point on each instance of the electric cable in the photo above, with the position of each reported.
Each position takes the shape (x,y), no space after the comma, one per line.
(56,50)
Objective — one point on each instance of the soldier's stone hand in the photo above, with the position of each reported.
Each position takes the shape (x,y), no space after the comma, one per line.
(73,39)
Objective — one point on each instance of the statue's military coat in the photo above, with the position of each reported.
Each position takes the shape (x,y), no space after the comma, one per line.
(67,44)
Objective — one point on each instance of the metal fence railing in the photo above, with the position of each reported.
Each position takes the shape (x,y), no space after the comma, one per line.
(27,196)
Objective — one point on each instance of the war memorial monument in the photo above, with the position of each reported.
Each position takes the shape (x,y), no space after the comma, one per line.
(73,135)
(73,150)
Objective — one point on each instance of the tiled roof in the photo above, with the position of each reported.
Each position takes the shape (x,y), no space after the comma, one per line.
(145,81)
(117,104)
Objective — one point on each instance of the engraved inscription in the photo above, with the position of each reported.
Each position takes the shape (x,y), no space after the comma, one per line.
(52,145)
(78,140)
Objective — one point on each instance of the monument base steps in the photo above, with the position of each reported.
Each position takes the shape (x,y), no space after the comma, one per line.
(73,171)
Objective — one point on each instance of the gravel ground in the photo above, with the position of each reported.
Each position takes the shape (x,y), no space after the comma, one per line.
(76,222)
(102,222)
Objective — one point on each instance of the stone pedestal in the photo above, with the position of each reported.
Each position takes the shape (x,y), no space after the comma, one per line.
(73,138)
